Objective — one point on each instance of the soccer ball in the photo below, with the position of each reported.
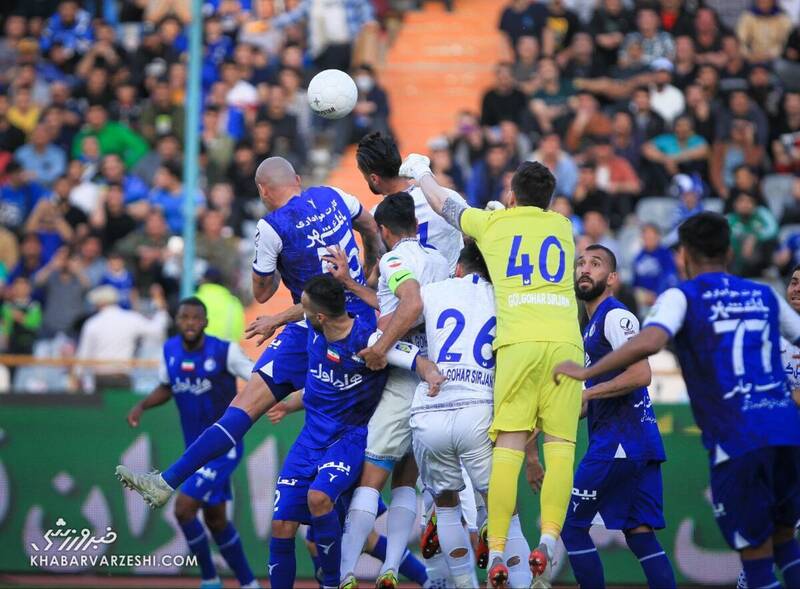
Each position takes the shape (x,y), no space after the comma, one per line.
(332,94)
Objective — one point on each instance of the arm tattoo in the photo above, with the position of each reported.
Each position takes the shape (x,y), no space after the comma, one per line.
(452,210)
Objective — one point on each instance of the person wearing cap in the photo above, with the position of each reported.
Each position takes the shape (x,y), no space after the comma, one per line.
(113,333)
(665,98)
(225,310)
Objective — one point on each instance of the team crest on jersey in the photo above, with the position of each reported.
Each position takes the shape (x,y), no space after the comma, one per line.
(627,325)
(209,364)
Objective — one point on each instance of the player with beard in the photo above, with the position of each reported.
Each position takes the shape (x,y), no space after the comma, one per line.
(618,482)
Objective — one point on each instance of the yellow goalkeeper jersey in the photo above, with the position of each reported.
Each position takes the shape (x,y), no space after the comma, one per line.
(530,254)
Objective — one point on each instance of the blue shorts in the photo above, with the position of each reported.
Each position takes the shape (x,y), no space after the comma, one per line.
(284,363)
(620,494)
(755,492)
(333,470)
(211,484)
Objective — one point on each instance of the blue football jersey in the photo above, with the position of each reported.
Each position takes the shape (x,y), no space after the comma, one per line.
(201,383)
(625,426)
(294,238)
(655,270)
(341,393)
(727,333)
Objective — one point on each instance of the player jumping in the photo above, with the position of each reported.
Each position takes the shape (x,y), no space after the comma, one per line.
(199,371)
(618,482)
(528,250)
(727,334)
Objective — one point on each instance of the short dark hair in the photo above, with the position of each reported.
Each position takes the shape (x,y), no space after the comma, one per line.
(378,154)
(706,235)
(612,259)
(193,302)
(795,269)
(396,212)
(326,293)
(471,259)
(533,184)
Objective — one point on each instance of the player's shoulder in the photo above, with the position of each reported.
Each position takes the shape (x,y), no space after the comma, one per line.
(173,344)
(363,328)
(618,316)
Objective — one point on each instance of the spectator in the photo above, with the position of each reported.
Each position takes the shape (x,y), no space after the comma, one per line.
(562,205)
(115,274)
(11,136)
(225,311)
(791,214)
(110,219)
(763,31)
(112,171)
(70,26)
(31,259)
(654,269)
(112,334)
(623,140)
(219,146)
(740,106)
(503,101)
(689,191)
(559,162)
(615,176)
(18,196)
(522,18)
(486,180)
(549,102)
(733,73)
(738,148)
(467,141)
(560,28)
(43,161)
(647,122)
(168,150)
(707,35)
(680,151)
(583,61)
(242,171)
(218,247)
(685,70)
(64,284)
(126,107)
(753,235)
(447,172)
(112,137)
(665,99)
(527,64)
(144,250)
(588,196)
(286,135)
(589,120)
(21,318)
(676,17)
(23,113)
(75,217)
(167,196)
(698,107)
(371,113)
(160,116)
(786,136)
(90,252)
(596,229)
(654,42)
(609,25)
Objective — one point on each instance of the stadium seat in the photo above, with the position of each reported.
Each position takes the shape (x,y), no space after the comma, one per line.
(658,210)
(777,190)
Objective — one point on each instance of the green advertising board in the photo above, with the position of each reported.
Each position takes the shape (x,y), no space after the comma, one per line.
(57,459)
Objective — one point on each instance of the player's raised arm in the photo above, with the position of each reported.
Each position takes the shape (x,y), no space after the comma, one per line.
(400,321)
(339,269)
(445,202)
(371,240)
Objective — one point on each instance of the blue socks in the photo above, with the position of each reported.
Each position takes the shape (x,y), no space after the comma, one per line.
(583,557)
(230,546)
(654,560)
(282,564)
(410,567)
(198,543)
(213,442)
(787,557)
(759,573)
(328,537)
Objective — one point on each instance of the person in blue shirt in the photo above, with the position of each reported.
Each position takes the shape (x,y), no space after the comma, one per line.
(117,275)
(298,219)
(654,268)
(618,482)
(200,371)
(341,394)
(71,26)
(727,334)
(18,196)
(167,195)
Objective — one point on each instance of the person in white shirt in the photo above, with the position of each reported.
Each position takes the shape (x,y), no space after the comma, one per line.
(113,334)
(665,99)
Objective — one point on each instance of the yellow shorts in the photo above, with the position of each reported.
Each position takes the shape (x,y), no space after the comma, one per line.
(525,395)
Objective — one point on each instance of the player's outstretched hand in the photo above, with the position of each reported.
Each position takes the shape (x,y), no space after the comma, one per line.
(264,327)
(277,412)
(415,166)
(374,359)
(570,370)
(534,472)
(429,372)
(338,264)
(134,415)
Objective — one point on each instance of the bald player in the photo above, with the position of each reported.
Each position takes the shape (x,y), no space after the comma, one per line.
(291,240)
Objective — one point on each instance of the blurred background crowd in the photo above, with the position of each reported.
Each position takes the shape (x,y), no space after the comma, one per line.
(647,112)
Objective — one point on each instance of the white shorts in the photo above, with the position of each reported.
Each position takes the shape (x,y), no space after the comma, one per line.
(389,433)
(444,440)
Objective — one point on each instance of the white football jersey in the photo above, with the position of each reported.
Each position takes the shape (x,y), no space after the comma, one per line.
(460,325)
(434,231)
(407,260)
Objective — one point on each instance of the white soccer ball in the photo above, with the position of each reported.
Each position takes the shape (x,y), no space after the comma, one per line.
(332,94)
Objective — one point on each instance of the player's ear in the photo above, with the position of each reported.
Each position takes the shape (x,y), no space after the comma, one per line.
(511,199)
(459,270)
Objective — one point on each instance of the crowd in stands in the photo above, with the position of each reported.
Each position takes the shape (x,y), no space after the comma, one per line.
(647,112)
(92,123)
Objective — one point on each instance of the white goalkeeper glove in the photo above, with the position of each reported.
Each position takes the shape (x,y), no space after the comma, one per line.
(494,205)
(416,166)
